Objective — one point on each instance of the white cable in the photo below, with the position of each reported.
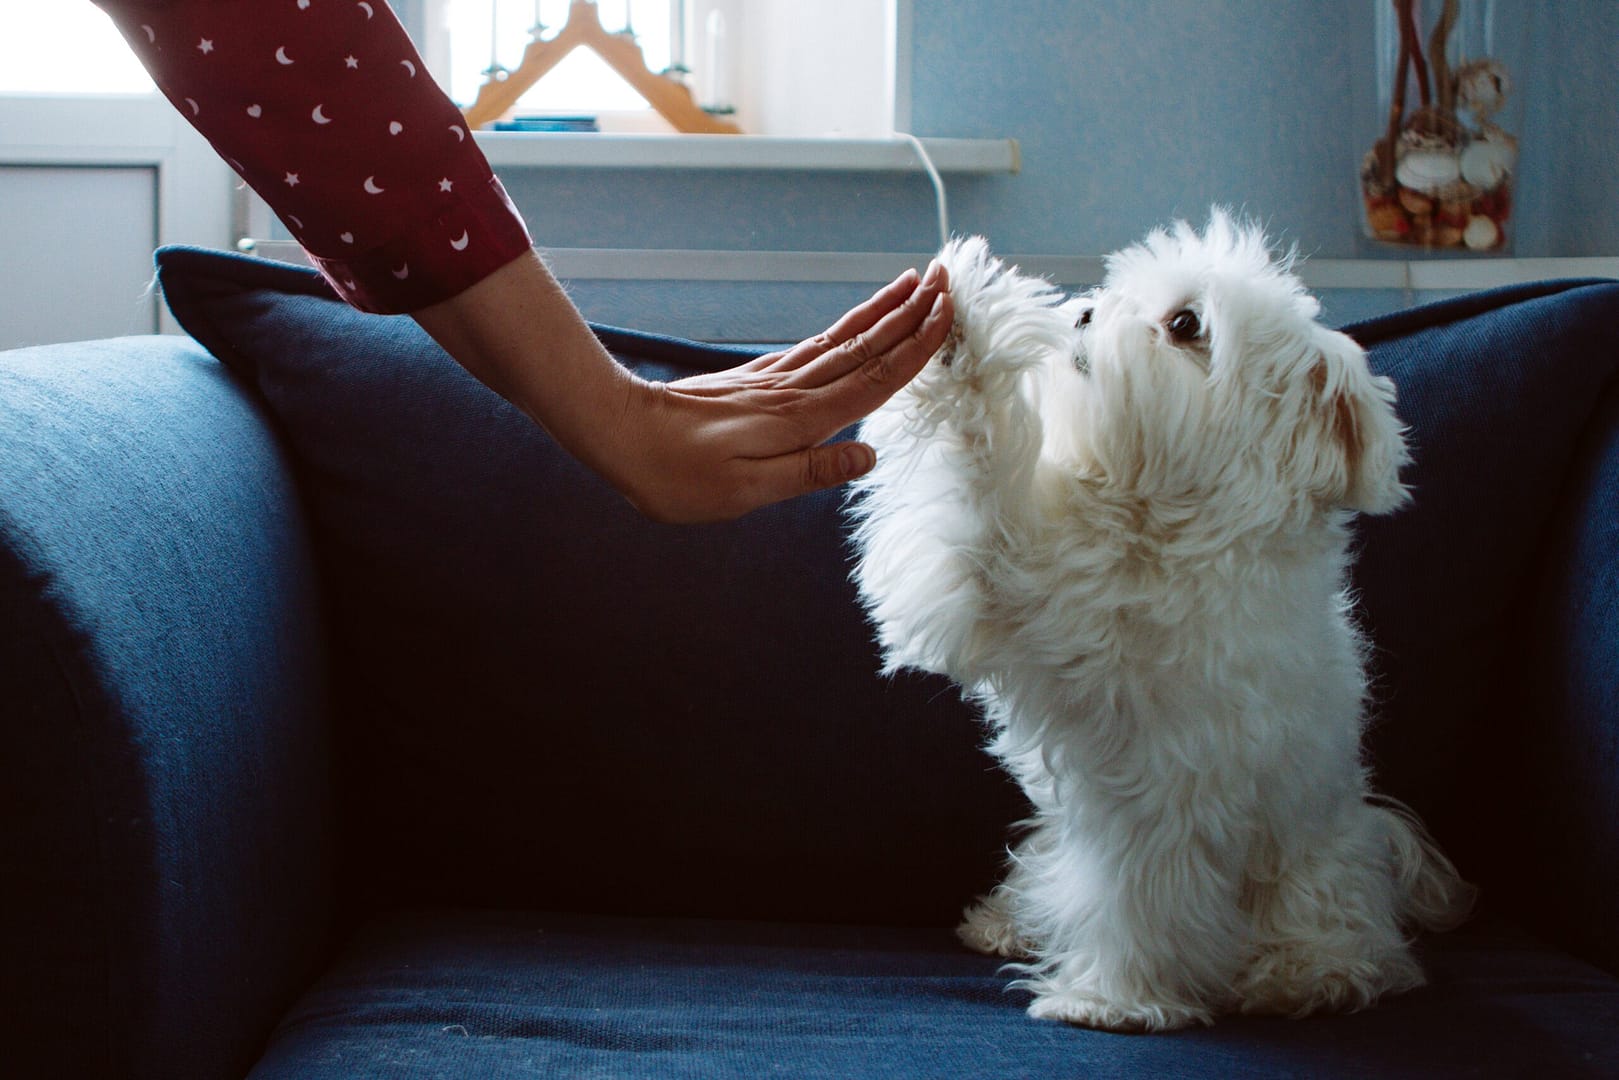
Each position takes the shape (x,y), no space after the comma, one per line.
(938,184)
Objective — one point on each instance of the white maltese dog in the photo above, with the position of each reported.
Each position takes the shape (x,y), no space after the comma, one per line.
(1120,522)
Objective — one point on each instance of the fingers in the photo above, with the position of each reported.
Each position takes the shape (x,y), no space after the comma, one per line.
(856,321)
(862,318)
(870,349)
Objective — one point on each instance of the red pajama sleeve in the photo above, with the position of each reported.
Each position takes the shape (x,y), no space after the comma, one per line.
(325,108)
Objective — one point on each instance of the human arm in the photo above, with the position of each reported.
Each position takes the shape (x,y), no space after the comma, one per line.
(326,110)
(707,448)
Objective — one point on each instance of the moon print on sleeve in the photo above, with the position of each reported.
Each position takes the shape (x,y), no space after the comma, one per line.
(325,109)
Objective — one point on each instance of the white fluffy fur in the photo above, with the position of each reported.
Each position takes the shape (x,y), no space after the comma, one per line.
(1132,552)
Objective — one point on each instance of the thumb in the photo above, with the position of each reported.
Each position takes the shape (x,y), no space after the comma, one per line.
(815,469)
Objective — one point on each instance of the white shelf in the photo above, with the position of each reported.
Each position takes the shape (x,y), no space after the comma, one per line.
(568,150)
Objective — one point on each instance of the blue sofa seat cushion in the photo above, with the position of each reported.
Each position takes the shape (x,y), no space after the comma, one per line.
(456,993)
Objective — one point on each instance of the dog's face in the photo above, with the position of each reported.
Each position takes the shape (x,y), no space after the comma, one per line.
(1199,368)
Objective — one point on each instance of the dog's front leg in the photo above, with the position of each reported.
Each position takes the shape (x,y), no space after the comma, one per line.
(957,451)
(977,399)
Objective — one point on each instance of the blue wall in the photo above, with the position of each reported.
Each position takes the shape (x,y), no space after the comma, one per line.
(1131,111)
(1134,111)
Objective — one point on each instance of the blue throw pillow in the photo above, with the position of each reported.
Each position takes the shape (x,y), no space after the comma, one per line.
(544,700)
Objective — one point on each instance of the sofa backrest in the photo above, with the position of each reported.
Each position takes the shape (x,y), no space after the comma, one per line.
(544,700)
(1493,600)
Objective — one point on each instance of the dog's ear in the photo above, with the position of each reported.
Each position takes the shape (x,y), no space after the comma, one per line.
(1360,441)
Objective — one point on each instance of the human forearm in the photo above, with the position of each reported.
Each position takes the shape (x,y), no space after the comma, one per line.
(518,332)
(710,447)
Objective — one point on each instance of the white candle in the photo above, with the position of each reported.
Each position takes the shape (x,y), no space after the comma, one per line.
(717,76)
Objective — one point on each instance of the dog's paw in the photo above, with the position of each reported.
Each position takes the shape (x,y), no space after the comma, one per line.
(1296,980)
(1006,324)
(1077,1005)
(987,927)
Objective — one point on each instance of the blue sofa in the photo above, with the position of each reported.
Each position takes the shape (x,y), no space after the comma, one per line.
(353,730)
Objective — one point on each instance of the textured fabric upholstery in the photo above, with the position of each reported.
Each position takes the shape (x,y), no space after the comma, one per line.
(1491,600)
(544,700)
(536,701)
(1564,746)
(163,788)
(501,996)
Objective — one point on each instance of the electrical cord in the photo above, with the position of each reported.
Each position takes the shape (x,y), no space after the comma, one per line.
(938,184)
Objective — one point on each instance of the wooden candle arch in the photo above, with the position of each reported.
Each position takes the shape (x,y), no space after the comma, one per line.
(671,99)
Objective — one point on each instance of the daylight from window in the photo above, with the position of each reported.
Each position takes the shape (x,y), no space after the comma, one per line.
(486,33)
(65,47)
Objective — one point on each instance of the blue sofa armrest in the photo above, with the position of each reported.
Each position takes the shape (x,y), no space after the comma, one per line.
(164,859)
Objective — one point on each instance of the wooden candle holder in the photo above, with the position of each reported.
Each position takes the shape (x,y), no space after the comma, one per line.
(671,99)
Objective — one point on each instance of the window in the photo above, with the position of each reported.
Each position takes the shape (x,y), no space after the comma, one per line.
(38,38)
(785,66)
(485,34)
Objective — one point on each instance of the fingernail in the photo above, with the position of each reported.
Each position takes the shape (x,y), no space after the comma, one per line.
(933,273)
(854,460)
(907,277)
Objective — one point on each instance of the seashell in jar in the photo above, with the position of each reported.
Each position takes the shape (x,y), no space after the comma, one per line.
(1482,86)
(1481,233)
(1385,219)
(1415,202)
(1487,162)
(1428,170)
(1371,175)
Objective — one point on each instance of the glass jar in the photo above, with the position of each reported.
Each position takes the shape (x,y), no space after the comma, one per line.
(1439,173)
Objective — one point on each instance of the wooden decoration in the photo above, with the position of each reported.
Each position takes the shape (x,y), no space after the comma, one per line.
(672,100)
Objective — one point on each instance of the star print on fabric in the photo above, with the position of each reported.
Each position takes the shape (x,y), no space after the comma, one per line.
(401,209)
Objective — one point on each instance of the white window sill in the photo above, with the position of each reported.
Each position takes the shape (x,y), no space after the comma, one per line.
(555,150)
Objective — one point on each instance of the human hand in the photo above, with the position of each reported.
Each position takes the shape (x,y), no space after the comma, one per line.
(707,448)
(715,446)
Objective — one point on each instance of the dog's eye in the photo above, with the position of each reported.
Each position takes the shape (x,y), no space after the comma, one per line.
(1084,318)
(1183,326)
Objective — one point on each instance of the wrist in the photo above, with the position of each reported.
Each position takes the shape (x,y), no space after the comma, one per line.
(518,333)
